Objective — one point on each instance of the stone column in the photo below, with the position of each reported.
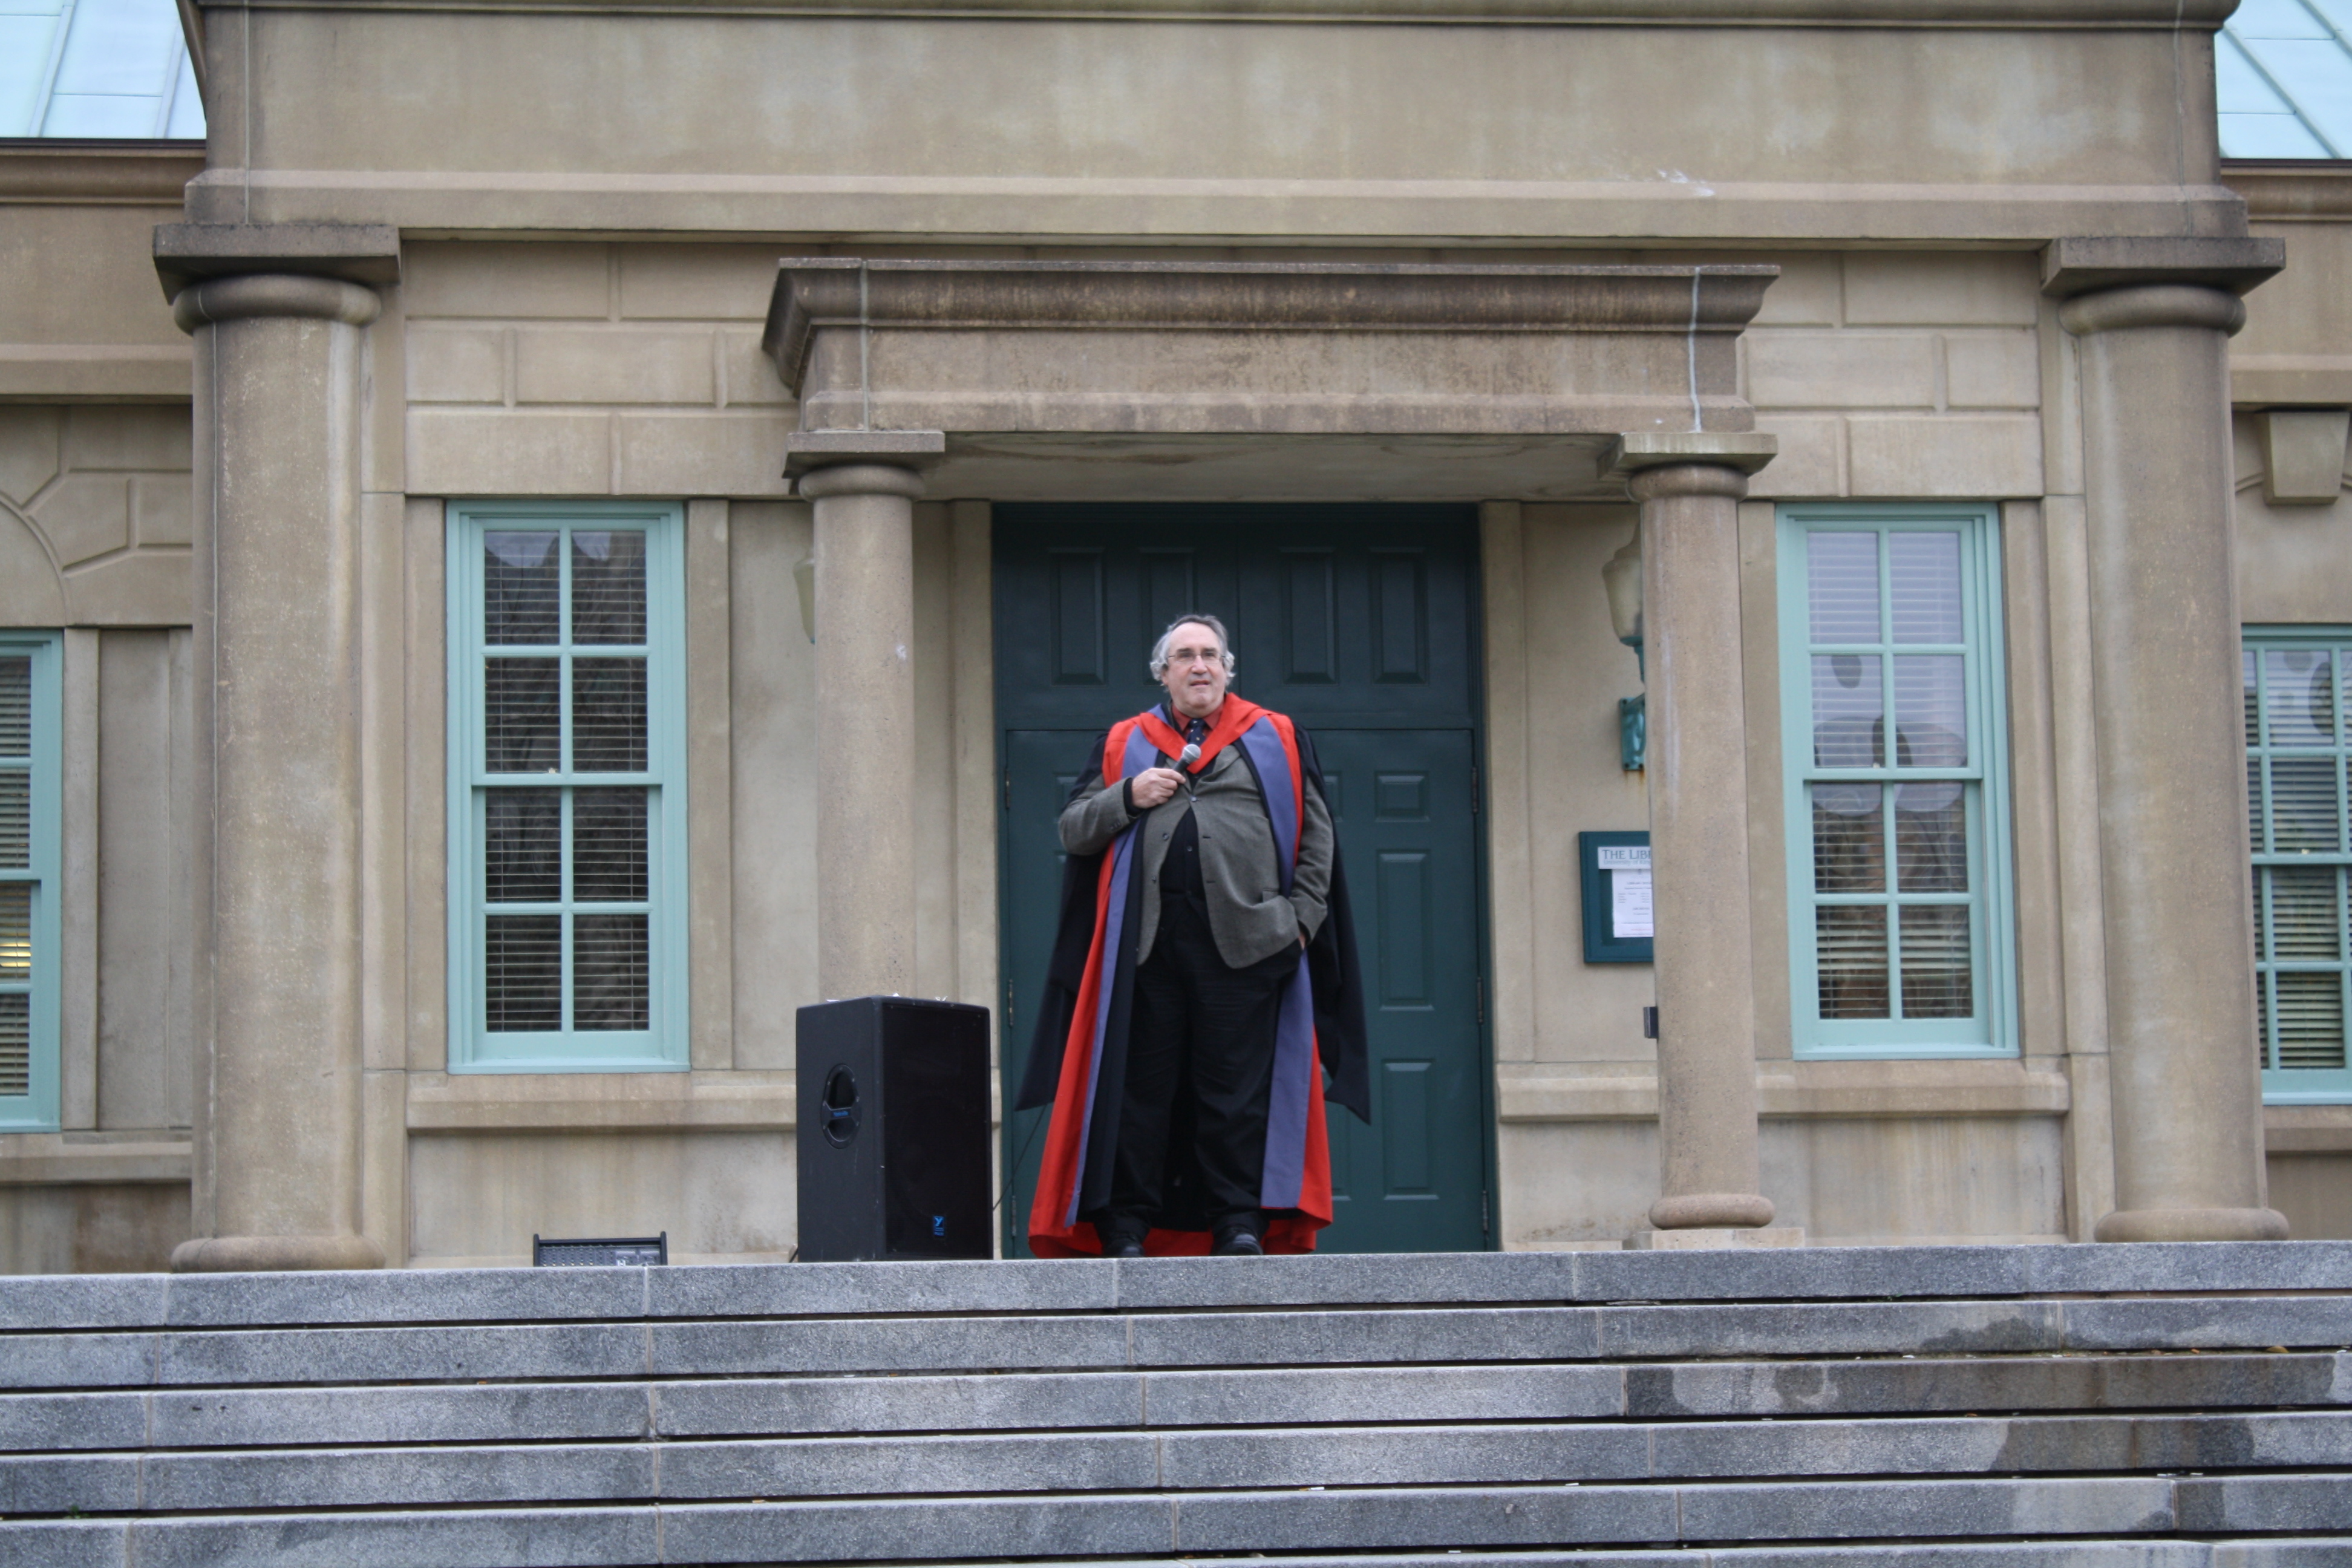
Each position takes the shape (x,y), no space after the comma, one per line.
(2154,318)
(279,384)
(1690,487)
(864,726)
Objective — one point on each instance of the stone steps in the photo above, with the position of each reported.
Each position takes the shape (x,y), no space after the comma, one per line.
(2156,1406)
(1084,1344)
(627,1411)
(340,1475)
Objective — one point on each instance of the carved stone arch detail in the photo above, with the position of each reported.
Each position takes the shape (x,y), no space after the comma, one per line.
(32,589)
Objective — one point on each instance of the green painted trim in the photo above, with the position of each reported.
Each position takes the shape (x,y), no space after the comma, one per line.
(1992,1032)
(662,1047)
(36,1109)
(2300,1086)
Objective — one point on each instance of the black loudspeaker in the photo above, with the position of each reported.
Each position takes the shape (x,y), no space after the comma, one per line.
(893,1130)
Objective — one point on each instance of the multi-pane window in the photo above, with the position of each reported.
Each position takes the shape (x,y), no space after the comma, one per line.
(29,777)
(2298,713)
(1894,746)
(567,801)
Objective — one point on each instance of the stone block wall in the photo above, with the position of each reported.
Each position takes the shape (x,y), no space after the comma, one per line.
(1899,375)
(2295,559)
(591,370)
(1886,376)
(94,525)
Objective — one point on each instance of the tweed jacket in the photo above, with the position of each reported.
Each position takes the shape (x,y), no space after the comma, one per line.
(1248,915)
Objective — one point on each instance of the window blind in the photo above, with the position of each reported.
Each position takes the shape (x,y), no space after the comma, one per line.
(1894,757)
(2298,729)
(567,738)
(29,859)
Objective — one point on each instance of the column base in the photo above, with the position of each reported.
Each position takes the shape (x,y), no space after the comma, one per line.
(2193,1225)
(1699,1211)
(274,1254)
(1716,1235)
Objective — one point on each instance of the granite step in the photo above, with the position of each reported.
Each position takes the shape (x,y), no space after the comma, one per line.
(723,1407)
(540,1351)
(508,1473)
(2111,1407)
(1156,1527)
(1180,1284)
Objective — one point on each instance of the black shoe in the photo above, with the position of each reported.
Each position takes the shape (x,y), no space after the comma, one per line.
(1123,1246)
(1237,1242)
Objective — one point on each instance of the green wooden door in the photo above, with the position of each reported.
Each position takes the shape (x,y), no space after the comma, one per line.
(1361,623)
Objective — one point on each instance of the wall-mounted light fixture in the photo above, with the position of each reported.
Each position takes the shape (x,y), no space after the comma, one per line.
(1622,578)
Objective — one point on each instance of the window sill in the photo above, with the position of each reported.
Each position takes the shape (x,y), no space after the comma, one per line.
(2307,1129)
(90,1159)
(737,1102)
(1537,1093)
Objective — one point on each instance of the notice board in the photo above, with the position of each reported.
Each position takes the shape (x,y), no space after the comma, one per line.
(1615,868)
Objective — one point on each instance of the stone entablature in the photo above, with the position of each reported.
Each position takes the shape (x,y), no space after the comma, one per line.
(1513,123)
(1218,372)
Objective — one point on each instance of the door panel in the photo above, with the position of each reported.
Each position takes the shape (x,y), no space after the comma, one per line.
(1355,616)
(1360,623)
(1040,767)
(1415,1179)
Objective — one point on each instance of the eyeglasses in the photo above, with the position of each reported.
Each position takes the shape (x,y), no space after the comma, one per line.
(1189,655)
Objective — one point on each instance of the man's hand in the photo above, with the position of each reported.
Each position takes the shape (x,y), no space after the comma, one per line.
(1153,785)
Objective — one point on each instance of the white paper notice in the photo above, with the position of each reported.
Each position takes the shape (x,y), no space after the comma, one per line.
(1629,903)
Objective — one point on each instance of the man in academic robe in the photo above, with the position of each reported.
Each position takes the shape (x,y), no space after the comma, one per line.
(1203,983)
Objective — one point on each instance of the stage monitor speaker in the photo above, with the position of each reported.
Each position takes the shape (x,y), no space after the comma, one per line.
(893,1130)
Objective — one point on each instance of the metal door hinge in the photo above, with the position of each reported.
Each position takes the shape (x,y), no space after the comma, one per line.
(1486,1213)
(1482,1001)
(1475,793)
(1008,789)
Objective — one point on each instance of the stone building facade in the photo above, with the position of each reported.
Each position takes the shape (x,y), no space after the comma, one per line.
(851,343)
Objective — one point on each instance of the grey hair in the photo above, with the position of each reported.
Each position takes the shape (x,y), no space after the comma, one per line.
(1160,648)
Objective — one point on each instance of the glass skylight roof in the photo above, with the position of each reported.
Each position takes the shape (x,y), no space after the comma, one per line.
(2285,71)
(96,69)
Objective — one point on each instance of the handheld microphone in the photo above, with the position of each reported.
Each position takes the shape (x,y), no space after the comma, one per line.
(1192,754)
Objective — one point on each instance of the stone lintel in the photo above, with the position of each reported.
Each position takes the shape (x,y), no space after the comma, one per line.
(1275,298)
(2087,264)
(367,254)
(807,449)
(1746,450)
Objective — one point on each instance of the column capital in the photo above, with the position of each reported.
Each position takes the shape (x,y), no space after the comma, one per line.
(806,451)
(365,254)
(860,479)
(256,294)
(2090,264)
(1705,462)
(2196,305)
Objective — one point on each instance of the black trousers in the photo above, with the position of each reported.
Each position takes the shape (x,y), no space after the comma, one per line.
(1200,1067)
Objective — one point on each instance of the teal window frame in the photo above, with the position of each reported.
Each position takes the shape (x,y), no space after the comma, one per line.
(1991,1031)
(2295,1085)
(36,1111)
(662,1046)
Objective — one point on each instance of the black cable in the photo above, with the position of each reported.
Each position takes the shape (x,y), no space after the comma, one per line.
(1006,1191)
